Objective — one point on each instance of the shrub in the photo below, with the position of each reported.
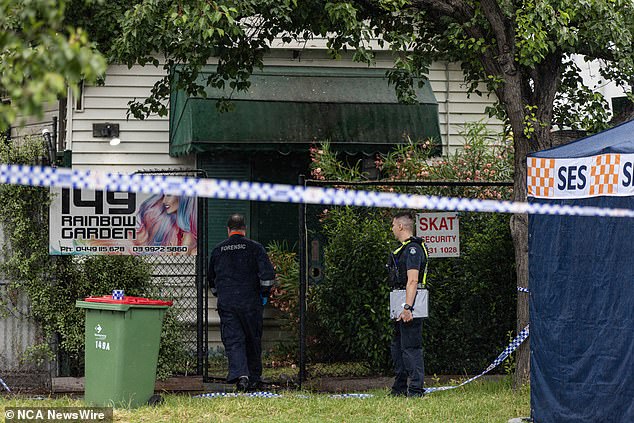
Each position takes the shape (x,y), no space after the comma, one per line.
(472,298)
(351,303)
(54,283)
(285,297)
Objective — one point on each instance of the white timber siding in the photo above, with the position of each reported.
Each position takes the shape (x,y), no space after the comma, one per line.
(455,107)
(33,125)
(144,143)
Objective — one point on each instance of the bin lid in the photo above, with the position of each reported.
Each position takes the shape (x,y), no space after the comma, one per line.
(139,301)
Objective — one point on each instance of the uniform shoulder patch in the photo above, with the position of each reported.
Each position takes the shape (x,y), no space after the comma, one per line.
(412,250)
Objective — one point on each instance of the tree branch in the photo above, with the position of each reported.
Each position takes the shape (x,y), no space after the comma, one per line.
(504,35)
(456,9)
(463,13)
(601,54)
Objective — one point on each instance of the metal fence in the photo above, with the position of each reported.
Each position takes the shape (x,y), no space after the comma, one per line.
(315,347)
(181,279)
(336,345)
(22,366)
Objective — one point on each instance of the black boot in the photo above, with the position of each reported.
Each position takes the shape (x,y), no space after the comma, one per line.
(243,384)
(254,385)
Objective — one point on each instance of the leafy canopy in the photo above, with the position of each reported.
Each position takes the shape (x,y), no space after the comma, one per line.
(40,57)
(521,50)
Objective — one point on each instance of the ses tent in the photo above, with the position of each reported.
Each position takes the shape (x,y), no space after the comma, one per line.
(581,274)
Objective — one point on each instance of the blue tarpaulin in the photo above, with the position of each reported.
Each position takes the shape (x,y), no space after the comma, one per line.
(581,278)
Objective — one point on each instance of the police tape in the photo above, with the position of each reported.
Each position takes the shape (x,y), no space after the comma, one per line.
(4,385)
(344,396)
(255,191)
(522,289)
(515,343)
(266,394)
(510,349)
(259,394)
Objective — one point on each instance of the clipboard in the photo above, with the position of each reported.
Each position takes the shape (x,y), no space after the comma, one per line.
(397,298)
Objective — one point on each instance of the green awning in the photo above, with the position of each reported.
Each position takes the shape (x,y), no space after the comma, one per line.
(289,107)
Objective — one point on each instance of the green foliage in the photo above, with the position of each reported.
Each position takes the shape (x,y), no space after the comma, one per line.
(40,57)
(285,294)
(173,358)
(486,156)
(53,284)
(471,297)
(577,105)
(100,19)
(350,304)
(325,162)
(189,34)
(520,51)
(23,216)
(510,363)
(77,278)
(39,355)
(525,46)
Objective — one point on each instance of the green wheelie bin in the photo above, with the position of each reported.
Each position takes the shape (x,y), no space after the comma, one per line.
(122,346)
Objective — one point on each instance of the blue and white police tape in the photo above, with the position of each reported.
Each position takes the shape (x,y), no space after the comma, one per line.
(515,343)
(522,289)
(259,394)
(4,385)
(254,191)
(361,396)
(118,294)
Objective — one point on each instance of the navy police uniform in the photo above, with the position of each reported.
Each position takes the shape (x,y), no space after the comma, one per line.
(239,274)
(407,342)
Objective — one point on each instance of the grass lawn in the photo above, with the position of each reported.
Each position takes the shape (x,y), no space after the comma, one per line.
(474,403)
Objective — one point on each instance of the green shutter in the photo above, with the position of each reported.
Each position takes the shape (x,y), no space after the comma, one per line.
(218,211)
(286,108)
(277,221)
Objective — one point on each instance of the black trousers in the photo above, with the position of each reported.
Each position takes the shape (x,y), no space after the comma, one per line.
(407,355)
(241,333)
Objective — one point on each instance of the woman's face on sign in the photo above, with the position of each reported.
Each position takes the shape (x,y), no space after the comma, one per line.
(170,202)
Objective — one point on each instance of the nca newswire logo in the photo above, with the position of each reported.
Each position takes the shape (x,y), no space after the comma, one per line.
(58,414)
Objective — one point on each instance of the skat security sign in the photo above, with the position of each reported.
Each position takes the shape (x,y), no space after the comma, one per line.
(605,174)
(440,232)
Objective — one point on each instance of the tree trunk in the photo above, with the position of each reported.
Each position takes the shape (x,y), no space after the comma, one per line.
(518,94)
(519,232)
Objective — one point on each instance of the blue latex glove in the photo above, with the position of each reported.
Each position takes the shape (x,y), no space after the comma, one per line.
(264,296)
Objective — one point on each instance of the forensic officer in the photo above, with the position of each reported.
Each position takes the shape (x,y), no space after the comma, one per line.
(408,270)
(241,276)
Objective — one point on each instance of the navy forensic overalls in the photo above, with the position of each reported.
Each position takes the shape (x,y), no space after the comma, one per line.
(407,342)
(239,270)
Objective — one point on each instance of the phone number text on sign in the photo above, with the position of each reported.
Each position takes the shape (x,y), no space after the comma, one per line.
(440,232)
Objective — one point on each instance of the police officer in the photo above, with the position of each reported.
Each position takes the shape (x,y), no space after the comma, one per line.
(241,276)
(408,270)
